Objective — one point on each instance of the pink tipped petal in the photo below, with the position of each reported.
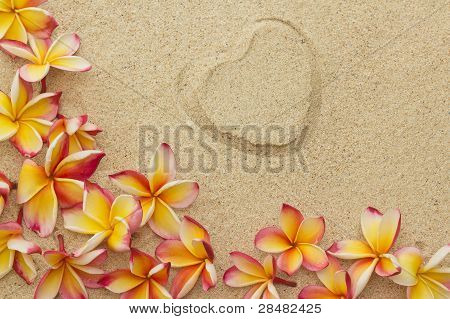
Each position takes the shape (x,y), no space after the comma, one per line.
(256,291)
(163,167)
(185,280)
(272,240)
(32,180)
(19,244)
(370,224)
(410,260)
(388,232)
(45,107)
(72,287)
(248,264)
(290,221)
(351,249)
(24,267)
(120,238)
(316,292)
(164,222)
(34,72)
(79,165)
(65,45)
(437,258)
(209,276)
(132,182)
(27,140)
(290,261)
(233,277)
(387,266)
(16,48)
(175,253)
(141,263)
(179,194)
(69,192)
(71,63)
(360,273)
(120,281)
(311,230)
(314,257)
(50,283)
(40,212)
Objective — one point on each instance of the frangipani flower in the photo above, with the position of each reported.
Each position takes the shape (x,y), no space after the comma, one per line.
(24,120)
(159,193)
(19,17)
(247,271)
(296,240)
(380,231)
(69,275)
(43,54)
(15,251)
(5,189)
(337,283)
(194,254)
(104,217)
(79,130)
(145,279)
(60,183)
(427,281)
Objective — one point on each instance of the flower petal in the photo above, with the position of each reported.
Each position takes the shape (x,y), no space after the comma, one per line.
(120,238)
(351,249)
(419,291)
(127,208)
(44,106)
(49,284)
(34,72)
(190,231)
(72,287)
(311,230)
(270,266)
(185,280)
(290,220)
(437,258)
(77,221)
(360,273)
(120,281)
(233,277)
(6,108)
(92,258)
(65,45)
(90,276)
(24,267)
(270,292)
(160,273)
(41,126)
(175,253)
(141,263)
(37,21)
(27,140)
(40,212)
(16,48)
(163,167)
(54,258)
(248,264)
(18,243)
(388,231)
(272,240)
(6,261)
(8,229)
(132,182)
(327,275)
(314,257)
(370,224)
(142,291)
(343,284)
(20,4)
(17,31)
(39,46)
(93,242)
(97,203)
(164,222)
(179,194)
(6,20)
(386,266)
(21,93)
(290,261)
(8,128)
(71,63)
(57,151)
(148,207)
(80,165)
(316,292)
(68,191)
(256,291)
(441,275)
(157,291)
(209,276)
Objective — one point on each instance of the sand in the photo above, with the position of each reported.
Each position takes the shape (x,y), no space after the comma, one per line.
(362,84)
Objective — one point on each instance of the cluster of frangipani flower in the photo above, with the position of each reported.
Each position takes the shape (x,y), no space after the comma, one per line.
(296,243)
(61,184)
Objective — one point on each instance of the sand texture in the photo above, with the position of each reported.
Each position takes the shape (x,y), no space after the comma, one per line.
(363,84)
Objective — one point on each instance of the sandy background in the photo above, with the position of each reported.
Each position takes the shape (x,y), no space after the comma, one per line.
(368,79)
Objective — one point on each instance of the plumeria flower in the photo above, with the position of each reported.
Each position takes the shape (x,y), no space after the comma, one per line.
(19,17)
(296,240)
(194,254)
(60,183)
(159,193)
(44,53)
(15,251)
(145,279)
(247,271)
(25,120)
(380,232)
(337,283)
(81,133)
(423,281)
(5,189)
(104,217)
(69,275)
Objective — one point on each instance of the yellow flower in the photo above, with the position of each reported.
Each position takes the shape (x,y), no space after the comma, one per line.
(19,17)
(45,53)
(427,281)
